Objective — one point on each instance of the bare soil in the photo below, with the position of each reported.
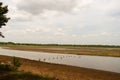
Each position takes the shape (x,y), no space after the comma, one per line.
(62,72)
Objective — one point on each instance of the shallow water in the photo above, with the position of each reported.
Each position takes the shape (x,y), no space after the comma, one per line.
(95,62)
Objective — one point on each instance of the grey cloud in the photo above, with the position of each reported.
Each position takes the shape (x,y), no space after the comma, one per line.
(115,13)
(39,6)
(114,8)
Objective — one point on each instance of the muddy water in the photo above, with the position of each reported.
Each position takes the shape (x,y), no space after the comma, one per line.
(95,62)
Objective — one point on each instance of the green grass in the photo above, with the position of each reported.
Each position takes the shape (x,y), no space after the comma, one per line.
(23,76)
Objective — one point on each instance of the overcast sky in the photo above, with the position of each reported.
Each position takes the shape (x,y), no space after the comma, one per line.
(63,21)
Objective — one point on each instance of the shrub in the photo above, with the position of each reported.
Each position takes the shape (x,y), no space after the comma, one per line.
(16,63)
(5,67)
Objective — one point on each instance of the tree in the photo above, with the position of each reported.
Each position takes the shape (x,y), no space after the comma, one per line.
(3,18)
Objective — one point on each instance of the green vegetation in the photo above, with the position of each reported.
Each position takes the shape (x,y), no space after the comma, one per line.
(96,50)
(12,66)
(17,75)
(56,45)
(5,67)
(3,18)
(7,72)
(16,63)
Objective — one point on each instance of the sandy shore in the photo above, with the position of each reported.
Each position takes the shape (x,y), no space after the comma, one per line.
(63,72)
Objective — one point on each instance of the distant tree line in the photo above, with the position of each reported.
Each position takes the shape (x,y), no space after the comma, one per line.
(57,45)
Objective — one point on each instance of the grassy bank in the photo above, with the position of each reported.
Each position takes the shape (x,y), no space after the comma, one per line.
(9,72)
(63,72)
(80,50)
(19,75)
